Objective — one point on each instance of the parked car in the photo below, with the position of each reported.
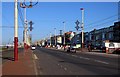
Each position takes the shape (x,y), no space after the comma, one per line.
(33,47)
(71,49)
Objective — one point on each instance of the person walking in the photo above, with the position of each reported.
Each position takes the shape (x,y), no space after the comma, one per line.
(89,47)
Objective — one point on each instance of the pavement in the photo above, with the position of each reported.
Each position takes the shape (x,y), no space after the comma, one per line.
(24,66)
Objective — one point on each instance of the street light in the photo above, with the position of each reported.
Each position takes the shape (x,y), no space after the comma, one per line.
(16,31)
(55,36)
(82,26)
(64,32)
(50,39)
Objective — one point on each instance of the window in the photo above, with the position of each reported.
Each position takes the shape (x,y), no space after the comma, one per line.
(111,45)
(110,35)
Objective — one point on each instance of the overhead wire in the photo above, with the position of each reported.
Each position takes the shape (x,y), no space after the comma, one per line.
(21,17)
(20,14)
(102,20)
(96,22)
(7,21)
(10,27)
(101,24)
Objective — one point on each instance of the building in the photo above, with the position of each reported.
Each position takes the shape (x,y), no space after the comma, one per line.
(116,31)
(60,38)
(111,34)
(98,37)
(77,39)
(68,37)
(95,37)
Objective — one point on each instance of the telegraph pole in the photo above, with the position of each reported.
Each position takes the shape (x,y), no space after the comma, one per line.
(82,27)
(15,31)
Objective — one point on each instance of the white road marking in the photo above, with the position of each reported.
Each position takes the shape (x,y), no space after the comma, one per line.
(74,55)
(35,68)
(80,57)
(67,54)
(65,69)
(101,61)
(85,58)
(94,60)
(40,72)
(35,57)
(34,64)
(90,59)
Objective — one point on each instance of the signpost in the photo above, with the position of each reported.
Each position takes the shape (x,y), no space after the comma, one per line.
(77,27)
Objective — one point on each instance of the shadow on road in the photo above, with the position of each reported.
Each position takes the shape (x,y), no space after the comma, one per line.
(7,58)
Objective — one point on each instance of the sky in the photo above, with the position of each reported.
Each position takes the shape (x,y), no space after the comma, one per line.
(49,15)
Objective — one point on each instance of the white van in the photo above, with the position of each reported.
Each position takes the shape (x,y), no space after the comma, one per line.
(112,46)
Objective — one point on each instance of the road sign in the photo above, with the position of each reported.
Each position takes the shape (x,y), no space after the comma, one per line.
(77,23)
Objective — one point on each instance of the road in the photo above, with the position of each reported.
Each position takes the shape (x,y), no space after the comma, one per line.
(55,62)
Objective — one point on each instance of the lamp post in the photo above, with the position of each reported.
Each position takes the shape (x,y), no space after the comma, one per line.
(25,35)
(15,31)
(50,39)
(55,36)
(82,26)
(118,11)
(25,29)
(64,33)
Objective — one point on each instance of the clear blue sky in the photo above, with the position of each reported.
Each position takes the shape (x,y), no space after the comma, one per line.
(49,15)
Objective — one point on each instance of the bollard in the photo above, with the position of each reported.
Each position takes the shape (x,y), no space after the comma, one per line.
(107,50)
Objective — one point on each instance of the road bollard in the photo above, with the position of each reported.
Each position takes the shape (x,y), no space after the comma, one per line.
(107,50)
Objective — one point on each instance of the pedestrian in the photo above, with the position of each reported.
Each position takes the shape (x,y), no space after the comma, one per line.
(64,47)
(89,47)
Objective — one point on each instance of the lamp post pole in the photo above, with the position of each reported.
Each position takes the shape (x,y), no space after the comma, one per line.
(82,27)
(64,33)
(55,37)
(15,31)
(25,29)
(50,39)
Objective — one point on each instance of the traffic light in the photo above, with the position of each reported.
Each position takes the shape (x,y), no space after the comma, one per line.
(31,23)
